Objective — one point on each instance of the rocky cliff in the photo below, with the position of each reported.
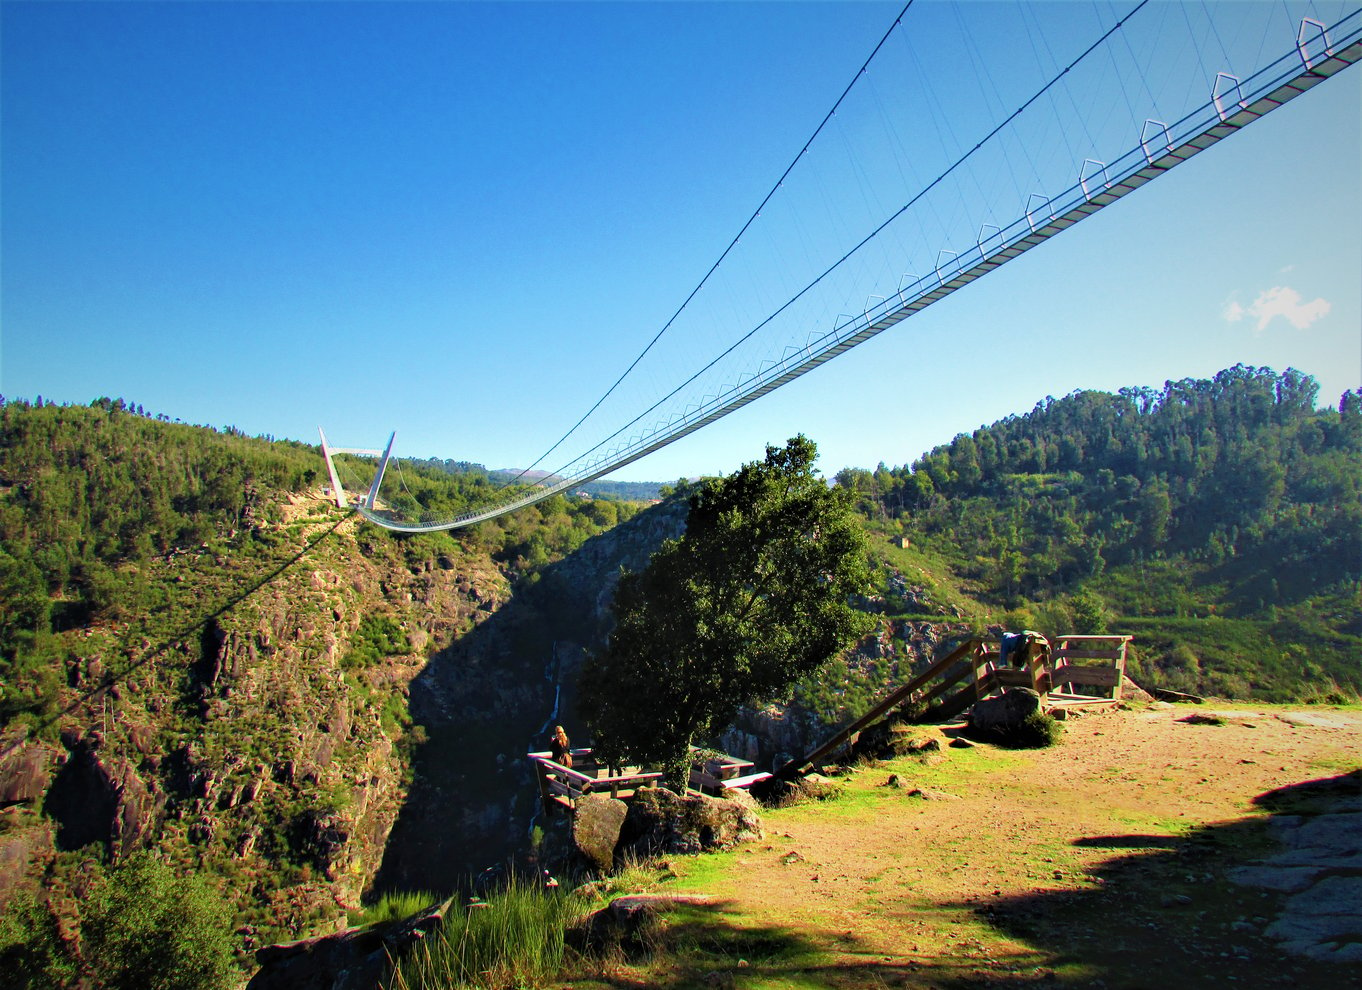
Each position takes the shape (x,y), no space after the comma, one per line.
(896,650)
(493,694)
(265,746)
(352,715)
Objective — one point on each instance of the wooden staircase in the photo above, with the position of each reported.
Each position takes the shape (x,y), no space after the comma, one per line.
(973,671)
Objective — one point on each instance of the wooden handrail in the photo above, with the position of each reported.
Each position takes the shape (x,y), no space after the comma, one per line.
(568,772)
(598,783)
(894,699)
(946,683)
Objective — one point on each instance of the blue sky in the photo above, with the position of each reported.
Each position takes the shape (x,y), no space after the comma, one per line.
(462,221)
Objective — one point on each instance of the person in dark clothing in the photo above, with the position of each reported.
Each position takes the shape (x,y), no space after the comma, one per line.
(561,747)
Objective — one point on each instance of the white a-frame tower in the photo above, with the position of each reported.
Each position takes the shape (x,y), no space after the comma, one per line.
(369,498)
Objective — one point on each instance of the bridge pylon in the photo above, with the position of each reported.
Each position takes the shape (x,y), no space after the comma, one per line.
(368,499)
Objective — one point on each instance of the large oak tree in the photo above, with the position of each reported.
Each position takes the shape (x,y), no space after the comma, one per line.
(755,595)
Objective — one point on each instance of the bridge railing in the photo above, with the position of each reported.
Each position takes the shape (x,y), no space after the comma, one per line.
(1281,81)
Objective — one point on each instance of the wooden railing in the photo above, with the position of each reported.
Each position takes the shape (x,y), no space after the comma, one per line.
(722,772)
(1109,674)
(972,672)
(951,668)
(951,685)
(565,786)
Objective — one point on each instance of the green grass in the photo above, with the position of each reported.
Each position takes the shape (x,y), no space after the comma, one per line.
(1341,761)
(516,938)
(711,871)
(394,907)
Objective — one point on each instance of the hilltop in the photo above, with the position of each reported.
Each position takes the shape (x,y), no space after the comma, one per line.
(1218,521)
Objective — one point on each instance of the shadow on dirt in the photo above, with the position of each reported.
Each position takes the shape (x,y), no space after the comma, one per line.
(699,947)
(1161,915)
(1165,915)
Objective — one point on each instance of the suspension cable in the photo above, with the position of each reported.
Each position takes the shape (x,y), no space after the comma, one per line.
(731,245)
(868,237)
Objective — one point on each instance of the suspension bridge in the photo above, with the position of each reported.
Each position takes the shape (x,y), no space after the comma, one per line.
(791,340)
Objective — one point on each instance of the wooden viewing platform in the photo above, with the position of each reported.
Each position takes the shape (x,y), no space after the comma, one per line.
(974,671)
(561,786)
(1070,672)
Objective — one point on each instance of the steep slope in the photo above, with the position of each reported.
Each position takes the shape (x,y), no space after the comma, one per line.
(201,656)
(1218,520)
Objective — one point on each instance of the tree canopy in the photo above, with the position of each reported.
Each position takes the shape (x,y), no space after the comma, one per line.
(753,596)
(1239,473)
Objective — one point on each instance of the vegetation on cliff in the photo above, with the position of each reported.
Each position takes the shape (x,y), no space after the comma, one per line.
(200,657)
(1219,521)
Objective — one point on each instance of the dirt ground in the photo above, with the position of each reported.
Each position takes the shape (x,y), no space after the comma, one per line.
(1104,861)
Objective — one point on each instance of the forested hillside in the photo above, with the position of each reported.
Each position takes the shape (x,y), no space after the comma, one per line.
(201,656)
(89,495)
(1219,521)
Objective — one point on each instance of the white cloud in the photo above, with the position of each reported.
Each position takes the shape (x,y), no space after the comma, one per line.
(1288,268)
(1280,300)
(1286,302)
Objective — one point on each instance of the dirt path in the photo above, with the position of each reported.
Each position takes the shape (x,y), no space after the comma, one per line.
(1100,862)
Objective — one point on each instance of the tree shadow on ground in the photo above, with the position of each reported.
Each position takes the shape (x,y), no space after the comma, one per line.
(1161,914)
(1166,915)
(700,946)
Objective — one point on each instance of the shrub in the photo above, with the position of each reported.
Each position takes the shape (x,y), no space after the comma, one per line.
(378,636)
(1037,731)
(150,930)
(32,952)
(1331,693)
(802,791)
(1089,614)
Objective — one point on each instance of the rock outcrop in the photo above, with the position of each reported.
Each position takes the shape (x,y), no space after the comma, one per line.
(1318,865)
(660,822)
(596,825)
(897,650)
(623,923)
(257,743)
(98,799)
(353,959)
(1004,714)
(25,770)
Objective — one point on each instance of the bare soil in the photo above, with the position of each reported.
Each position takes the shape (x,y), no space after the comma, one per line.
(1100,862)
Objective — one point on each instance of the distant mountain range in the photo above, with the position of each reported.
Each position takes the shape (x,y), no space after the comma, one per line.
(626,491)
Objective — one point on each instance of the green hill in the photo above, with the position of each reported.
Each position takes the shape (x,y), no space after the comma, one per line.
(1219,521)
(202,656)
(199,654)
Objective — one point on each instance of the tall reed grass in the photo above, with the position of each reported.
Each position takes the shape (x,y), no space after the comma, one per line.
(515,938)
(394,907)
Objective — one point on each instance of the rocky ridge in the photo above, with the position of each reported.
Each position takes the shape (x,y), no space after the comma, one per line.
(254,750)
